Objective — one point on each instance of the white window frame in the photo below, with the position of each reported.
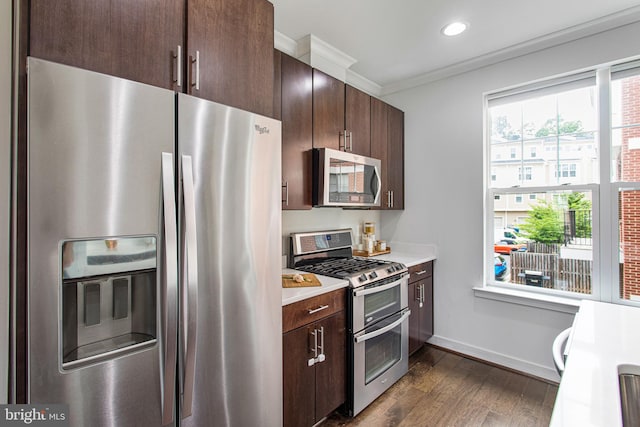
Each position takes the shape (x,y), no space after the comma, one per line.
(605,275)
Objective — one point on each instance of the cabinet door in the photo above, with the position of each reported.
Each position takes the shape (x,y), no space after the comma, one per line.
(426,315)
(328,111)
(234,39)
(357,120)
(379,145)
(395,157)
(297,133)
(298,378)
(331,374)
(134,40)
(414,320)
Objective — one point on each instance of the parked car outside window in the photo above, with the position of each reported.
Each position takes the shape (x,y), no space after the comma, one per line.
(506,246)
(500,269)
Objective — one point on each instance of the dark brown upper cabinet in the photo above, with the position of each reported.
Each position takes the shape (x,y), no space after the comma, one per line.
(357,120)
(341,115)
(135,40)
(221,50)
(387,144)
(297,133)
(229,53)
(328,111)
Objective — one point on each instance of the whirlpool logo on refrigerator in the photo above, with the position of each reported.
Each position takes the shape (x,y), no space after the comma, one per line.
(261,129)
(35,415)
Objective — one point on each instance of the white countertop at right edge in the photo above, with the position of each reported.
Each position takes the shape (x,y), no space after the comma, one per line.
(604,336)
(410,254)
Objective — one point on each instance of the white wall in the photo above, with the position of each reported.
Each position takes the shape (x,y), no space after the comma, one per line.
(5,169)
(444,200)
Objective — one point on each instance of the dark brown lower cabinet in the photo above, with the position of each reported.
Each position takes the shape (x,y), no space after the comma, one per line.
(314,386)
(421,305)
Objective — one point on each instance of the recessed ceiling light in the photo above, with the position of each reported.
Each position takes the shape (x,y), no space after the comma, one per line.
(454,28)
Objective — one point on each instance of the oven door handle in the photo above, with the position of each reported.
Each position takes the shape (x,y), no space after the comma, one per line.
(381,331)
(378,288)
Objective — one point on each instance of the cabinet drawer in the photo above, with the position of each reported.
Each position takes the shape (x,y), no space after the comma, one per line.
(420,271)
(303,312)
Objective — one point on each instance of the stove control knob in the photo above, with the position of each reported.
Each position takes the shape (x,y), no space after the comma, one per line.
(373,275)
(362,277)
(391,269)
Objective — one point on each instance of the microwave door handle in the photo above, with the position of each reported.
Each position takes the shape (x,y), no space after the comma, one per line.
(378,288)
(169,289)
(377,174)
(381,331)
(190,286)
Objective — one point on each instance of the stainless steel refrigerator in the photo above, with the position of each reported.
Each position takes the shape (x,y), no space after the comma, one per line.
(154,258)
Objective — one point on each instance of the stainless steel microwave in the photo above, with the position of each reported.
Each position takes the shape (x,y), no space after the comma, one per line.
(345,179)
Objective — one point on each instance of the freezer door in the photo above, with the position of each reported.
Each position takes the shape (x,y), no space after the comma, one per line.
(99,257)
(235,349)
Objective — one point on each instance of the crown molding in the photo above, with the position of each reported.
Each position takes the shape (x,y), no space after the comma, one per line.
(590,28)
(284,44)
(321,55)
(324,57)
(364,84)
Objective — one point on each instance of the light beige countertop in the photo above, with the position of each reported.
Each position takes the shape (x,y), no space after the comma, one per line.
(409,254)
(291,295)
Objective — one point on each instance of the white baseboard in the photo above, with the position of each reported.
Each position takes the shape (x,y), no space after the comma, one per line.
(546,372)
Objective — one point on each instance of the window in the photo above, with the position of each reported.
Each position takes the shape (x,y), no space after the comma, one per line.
(526,176)
(625,178)
(566,170)
(582,222)
(493,177)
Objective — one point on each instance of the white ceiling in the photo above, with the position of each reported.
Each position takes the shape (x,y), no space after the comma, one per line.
(394,41)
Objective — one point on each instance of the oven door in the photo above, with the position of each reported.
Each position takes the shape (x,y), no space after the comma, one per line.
(380,358)
(378,300)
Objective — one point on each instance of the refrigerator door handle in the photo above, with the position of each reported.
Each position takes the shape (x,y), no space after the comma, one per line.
(189,286)
(170,289)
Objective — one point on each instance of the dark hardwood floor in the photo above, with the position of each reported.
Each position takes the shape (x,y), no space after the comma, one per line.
(445,389)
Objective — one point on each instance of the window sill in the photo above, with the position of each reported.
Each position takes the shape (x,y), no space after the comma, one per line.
(530,299)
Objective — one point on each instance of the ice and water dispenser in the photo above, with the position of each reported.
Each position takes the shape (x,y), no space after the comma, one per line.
(109,298)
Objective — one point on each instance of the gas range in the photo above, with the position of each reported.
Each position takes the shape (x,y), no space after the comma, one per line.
(377,311)
(329,253)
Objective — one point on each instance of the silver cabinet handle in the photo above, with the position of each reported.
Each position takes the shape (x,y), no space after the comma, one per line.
(343,137)
(195,63)
(314,359)
(177,58)
(315,310)
(286,193)
(321,357)
(170,288)
(421,295)
(388,199)
(420,273)
(350,141)
(378,288)
(381,331)
(392,198)
(190,285)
